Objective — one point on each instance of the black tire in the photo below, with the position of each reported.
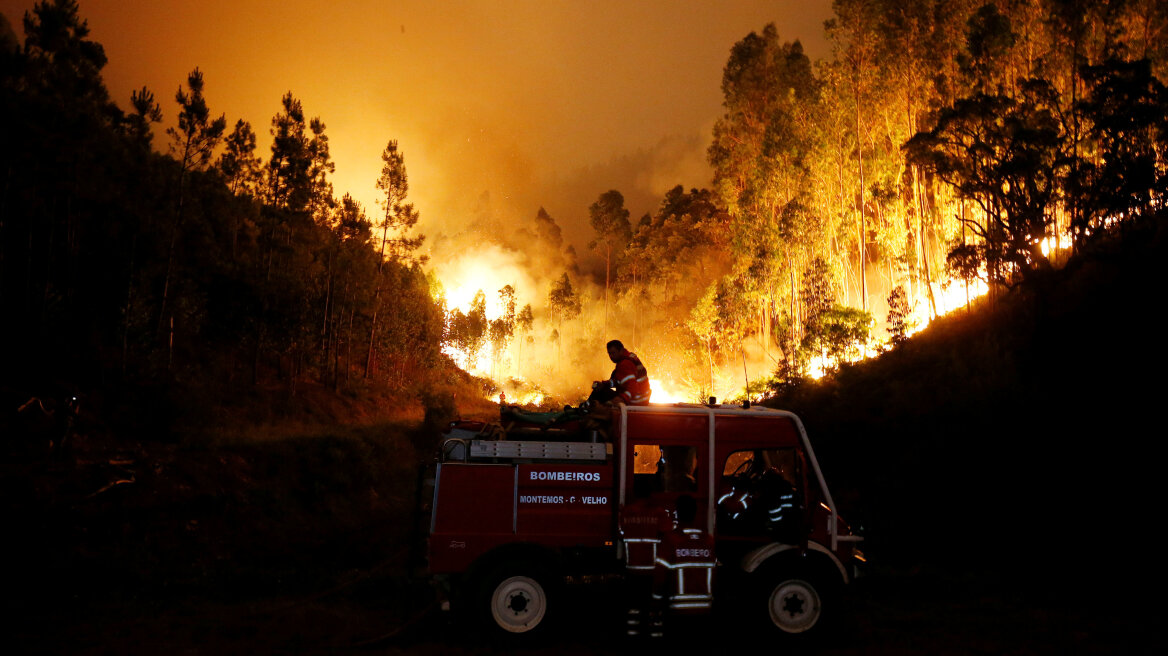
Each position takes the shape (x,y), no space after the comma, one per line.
(514,600)
(795,603)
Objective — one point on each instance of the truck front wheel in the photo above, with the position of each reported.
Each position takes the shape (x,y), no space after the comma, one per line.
(795,605)
(516,599)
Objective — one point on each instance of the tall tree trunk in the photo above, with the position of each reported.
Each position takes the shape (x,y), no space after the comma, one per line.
(964,275)
(325,333)
(860,205)
(178,221)
(710,360)
(607,267)
(372,333)
(349,345)
(336,337)
(918,198)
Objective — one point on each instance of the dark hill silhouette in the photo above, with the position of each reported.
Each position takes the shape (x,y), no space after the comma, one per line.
(1017,439)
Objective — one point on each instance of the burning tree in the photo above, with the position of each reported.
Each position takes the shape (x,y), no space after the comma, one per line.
(610,220)
(564,304)
(469,332)
(1008,156)
(899,315)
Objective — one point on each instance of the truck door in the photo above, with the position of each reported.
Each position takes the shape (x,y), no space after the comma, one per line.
(761,495)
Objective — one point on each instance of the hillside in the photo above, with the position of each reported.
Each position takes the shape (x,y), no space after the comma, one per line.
(1015,439)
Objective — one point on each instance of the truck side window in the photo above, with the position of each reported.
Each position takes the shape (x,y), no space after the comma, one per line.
(760,494)
(665,468)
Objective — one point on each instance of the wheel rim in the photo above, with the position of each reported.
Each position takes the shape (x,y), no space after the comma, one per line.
(795,606)
(518,604)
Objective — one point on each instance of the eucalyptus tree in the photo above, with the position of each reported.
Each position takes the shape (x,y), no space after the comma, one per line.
(564,304)
(502,329)
(1008,156)
(761,153)
(907,35)
(685,241)
(1144,26)
(855,49)
(563,301)
(469,331)
(702,322)
(1126,110)
(610,221)
(547,230)
(523,324)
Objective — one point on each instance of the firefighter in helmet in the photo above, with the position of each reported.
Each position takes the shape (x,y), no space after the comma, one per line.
(629,382)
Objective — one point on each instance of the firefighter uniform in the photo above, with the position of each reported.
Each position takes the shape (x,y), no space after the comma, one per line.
(642,523)
(683,579)
(630,379)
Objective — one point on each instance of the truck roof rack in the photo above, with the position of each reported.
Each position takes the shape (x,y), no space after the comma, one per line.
(529,450)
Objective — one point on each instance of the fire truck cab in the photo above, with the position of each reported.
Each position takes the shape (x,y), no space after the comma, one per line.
(518,511)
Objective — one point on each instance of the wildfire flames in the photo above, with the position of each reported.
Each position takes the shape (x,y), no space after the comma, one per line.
(525,366)
(668,393)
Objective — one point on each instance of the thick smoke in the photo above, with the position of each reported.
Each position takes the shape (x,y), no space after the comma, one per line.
(495,242)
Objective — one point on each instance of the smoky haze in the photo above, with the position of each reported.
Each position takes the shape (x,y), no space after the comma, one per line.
(500,108)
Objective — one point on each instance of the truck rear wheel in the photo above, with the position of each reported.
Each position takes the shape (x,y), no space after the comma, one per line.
(515,599)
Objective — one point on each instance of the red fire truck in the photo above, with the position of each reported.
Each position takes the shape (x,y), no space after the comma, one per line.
(520,509)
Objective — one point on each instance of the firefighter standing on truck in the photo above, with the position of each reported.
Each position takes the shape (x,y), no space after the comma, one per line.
(629,383)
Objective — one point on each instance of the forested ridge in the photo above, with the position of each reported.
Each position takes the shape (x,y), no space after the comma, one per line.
(941,145)
(196,262)
(944,150)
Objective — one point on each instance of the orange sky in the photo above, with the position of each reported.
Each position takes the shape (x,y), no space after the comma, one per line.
(530,103)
